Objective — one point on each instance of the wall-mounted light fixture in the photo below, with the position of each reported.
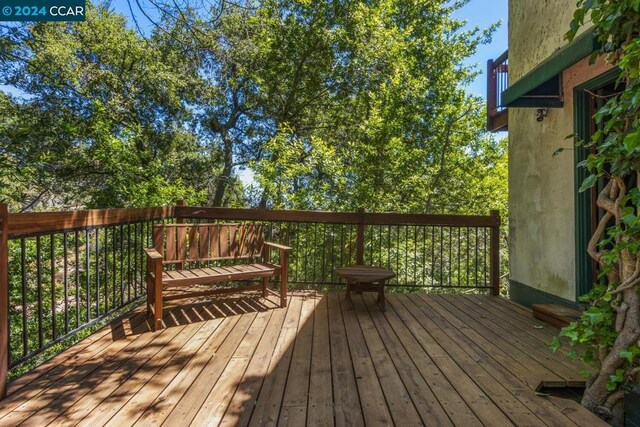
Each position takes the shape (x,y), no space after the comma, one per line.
(541,113)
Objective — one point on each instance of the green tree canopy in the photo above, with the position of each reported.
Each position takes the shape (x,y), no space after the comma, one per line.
(336,105)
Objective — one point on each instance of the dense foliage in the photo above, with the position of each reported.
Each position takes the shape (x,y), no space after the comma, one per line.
(330,105)
(610,329)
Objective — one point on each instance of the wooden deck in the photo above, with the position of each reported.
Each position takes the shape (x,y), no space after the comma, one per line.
(428,360)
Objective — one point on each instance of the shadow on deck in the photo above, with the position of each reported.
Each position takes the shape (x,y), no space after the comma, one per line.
(427,360)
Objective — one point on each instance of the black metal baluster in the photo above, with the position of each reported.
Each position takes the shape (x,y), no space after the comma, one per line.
(476,257)
(484,252)
(406,254)
(121,264)
(424,254)
(459,282)
(114,265)
(314,249)
(128,262)
(380,245)
(450,257)
(106,269)
(298,258)
(324,250)
(342,244)
(87,252)
(441,256)
(142,264)
(398,253)
(39,289)
(306,249)
(388,246)
(77,276)
(433,255)
(468,254)
(415,254)
(52,272)
(97,272)
(135,260)
(23,265)
(331,252)
(65,244)
(350,244)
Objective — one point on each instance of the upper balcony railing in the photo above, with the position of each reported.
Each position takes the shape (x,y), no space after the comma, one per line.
(61,272)
(497,82)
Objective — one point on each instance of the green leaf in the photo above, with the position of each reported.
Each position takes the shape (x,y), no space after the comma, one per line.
(628,355)
(632,141)
(555,345)
(588,183)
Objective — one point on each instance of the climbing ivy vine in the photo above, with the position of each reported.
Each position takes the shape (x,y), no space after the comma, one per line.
(607,333)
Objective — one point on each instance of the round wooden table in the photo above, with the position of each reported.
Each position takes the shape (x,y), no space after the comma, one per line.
(361,278)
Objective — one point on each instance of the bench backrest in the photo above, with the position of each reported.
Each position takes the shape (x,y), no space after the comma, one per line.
(207,242)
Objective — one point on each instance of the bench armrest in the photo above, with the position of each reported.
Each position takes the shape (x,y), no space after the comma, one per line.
(277,246)
(152,254)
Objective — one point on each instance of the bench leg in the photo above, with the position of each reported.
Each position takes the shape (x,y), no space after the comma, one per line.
(283,290)
(284,277)
(149,295)
(265,285)
(157,296)
(157,312)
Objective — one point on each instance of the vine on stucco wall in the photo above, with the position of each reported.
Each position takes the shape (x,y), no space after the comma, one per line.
(608,331)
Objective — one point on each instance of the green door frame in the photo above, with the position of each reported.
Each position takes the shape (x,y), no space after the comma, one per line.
(582,127)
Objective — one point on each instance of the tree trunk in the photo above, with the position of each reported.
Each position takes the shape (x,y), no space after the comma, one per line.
(224,178)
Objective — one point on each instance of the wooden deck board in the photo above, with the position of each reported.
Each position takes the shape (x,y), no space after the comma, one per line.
(502,369)
(242,360)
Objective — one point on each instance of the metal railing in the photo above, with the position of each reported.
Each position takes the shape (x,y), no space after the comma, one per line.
(65,271)
(497,82)
(61,272)
(425,251)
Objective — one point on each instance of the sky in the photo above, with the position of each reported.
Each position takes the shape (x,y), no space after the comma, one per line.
(483,13)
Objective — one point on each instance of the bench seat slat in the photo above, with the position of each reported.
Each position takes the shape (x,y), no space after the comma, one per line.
(203,276)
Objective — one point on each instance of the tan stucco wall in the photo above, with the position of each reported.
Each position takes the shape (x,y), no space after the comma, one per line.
(541,187)
(536,30)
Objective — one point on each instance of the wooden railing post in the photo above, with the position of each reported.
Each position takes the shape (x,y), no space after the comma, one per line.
(360,238)
(495,254)
(4,298)
(179,219)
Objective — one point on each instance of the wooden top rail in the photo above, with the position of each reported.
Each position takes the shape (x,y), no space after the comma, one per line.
(188,212)
(28,224)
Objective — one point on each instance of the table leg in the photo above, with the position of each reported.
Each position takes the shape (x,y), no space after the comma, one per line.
(347,297)
(381,300)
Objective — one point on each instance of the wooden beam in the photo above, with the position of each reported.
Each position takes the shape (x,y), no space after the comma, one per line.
(189,212)
(27,224)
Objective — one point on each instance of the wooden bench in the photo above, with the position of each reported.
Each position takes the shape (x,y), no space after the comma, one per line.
(197,244)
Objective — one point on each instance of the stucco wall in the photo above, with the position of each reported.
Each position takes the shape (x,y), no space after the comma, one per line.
(541,186)
(536,30)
